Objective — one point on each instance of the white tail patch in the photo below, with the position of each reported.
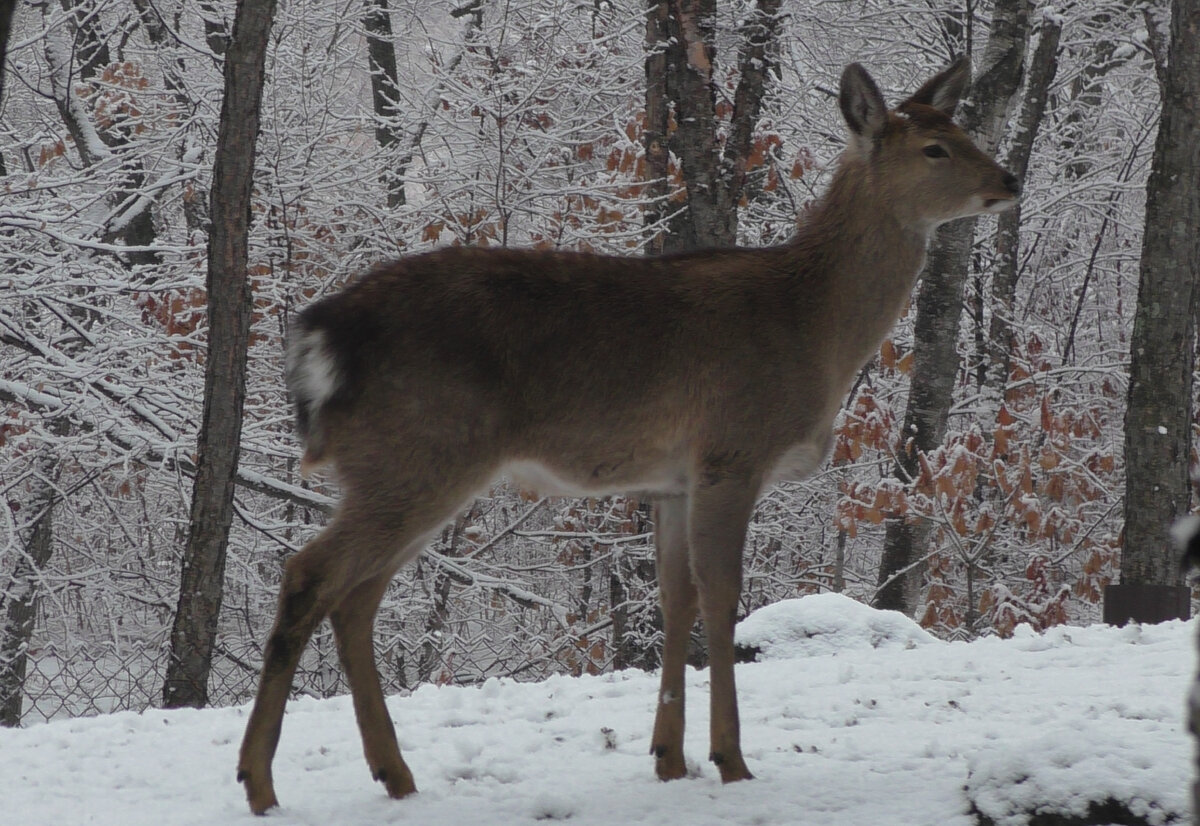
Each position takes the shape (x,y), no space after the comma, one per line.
(312,371)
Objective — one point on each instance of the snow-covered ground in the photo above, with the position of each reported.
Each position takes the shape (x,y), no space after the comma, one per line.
(852,716)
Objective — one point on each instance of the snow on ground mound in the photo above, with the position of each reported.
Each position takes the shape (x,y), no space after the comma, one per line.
(825,624)
(1108,774)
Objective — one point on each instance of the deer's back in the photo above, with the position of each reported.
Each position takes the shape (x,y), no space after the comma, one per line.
(623,367)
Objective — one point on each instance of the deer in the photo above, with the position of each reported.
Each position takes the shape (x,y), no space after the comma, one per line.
(695,379)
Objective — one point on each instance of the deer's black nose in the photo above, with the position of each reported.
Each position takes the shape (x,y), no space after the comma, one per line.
(1012,184)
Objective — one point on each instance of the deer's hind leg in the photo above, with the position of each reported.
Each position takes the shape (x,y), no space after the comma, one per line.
(343,571)
(353,625)
(314,580)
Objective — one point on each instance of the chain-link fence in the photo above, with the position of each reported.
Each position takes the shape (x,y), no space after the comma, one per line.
(478,638)
(513,589)
(86,680)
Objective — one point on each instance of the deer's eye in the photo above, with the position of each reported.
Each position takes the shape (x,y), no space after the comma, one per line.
(935,150)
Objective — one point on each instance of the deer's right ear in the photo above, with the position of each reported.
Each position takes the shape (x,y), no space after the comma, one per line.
(946,88)
(862,105)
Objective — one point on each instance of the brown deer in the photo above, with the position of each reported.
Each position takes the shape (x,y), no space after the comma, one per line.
(699,379)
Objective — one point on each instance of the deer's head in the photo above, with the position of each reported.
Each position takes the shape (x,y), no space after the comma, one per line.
(919,163)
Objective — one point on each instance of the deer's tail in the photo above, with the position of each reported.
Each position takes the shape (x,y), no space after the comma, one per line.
(313,378)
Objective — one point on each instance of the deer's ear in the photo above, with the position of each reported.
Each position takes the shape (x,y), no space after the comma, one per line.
(862,104)
(945,89)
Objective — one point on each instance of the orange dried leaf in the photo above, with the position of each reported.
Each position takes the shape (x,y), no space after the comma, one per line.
(959,520)
(984,523)
(1026,480)
(887,354)
(1000,442)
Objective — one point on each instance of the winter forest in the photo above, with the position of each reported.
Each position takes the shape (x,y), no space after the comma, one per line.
(995,464)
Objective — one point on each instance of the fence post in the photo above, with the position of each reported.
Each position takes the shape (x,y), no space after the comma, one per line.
(1140,602)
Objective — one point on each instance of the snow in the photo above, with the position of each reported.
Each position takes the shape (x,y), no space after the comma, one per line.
(853,716)
(1184,530)
(1008,783)
(1125,51)
(825,624)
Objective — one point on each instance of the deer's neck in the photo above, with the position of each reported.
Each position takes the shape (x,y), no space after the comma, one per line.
(867,254)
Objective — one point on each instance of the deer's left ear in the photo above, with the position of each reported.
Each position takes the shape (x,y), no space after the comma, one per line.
(945,89)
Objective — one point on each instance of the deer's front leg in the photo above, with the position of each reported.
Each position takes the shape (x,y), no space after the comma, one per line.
(718,514)
(677,594)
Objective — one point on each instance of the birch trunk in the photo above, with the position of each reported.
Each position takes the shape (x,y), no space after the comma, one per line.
(939,309)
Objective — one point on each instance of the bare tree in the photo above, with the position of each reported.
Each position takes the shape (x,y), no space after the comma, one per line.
(1088,86)
(1043,65)
(656,137)
(1158,422)
(381,61)
(22,592)
(939,308)
(6,15)
(229,299)
(681,69)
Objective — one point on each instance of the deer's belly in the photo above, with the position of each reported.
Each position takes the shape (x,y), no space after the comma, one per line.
(598,478)
(799,461)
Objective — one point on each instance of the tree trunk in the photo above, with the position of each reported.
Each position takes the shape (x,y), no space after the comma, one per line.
(656,138)
(713,223)
(680,66)
(130,222)
(939,308)
(90,50)
(193,634)
(6,14)
(432,664)
(195,208)
(680,61)
(381,60)
(935,367)
(1194,728)
(20,596)
(1158,419)
(997,364)
(994,350)
(628,625)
